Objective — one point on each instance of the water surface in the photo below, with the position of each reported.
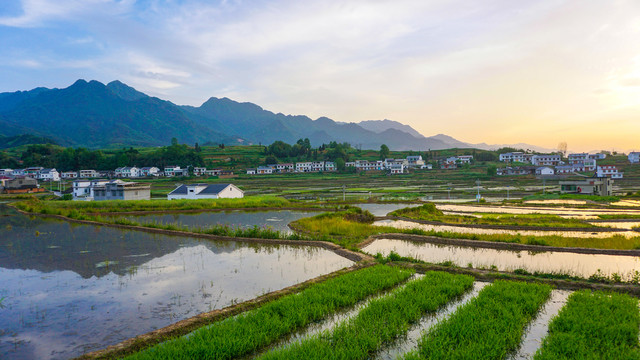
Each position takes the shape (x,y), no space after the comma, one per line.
(582,265)
(274,219)
(384,208)
(68,289)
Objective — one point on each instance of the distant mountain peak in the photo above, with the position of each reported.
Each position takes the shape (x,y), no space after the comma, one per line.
(379,126)
(125,91)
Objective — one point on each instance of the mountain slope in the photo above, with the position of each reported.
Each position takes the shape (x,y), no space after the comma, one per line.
(91,114)
(379,126)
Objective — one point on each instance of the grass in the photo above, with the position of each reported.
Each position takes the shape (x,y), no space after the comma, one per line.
(488,327)
(594,325)
(335,228)
(382,321)
(246,333)
(116,206)
(431,213)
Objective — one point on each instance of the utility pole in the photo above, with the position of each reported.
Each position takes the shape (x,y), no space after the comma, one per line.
(478,195)
(508,186)
(449,191)
(344,192)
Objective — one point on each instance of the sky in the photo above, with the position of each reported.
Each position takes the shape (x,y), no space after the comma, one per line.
(495,71)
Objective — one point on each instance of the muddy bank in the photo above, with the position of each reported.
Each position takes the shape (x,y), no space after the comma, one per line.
(338,250)
(503,227)
(186,326)
(496,245)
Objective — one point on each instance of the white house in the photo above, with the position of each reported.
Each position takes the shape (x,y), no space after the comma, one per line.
(396,169)
(465,159)
(598,156)
(213,172)
(83,189)
(609,171)
(303,167)
(69,175)
(48,175)
(251,171)
(85,174)
(128,172)
(634,157)
(546,160)
(415,160)
(171,171)
(517,156)
(149,171)
(205,191)
(6,172)
(32,171)
(577,158)
(545,170)
(264,170)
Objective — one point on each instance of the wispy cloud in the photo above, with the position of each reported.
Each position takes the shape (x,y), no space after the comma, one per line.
(518,68)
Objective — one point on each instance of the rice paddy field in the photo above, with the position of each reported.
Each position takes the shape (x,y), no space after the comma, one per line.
(479,303)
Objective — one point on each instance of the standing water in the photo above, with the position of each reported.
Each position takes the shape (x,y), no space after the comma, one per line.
(67,289)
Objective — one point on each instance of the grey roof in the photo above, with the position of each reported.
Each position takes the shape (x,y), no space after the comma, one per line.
(214,189)
(209,189)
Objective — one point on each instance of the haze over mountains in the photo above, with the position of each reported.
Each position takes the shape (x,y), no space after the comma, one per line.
(95,115)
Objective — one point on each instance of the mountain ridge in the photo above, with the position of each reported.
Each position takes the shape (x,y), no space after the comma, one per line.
(92,114)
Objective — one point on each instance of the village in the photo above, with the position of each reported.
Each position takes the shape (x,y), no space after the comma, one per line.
(89,184)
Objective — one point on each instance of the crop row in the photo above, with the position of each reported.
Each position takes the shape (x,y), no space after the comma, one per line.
(381,321)
(488,327)
(244,334)
(594,325)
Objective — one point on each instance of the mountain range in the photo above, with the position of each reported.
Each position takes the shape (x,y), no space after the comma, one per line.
(95,115)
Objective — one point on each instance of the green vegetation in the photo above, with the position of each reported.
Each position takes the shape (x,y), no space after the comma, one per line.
(335,228)
(67,208)
(382,321)
(246,333)
(431,213)
(488,327)
(596,198)
(594,325)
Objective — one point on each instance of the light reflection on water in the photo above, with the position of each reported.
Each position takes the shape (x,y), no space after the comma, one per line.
(69,289)
(582,265)
(402,224)
(534,210)
(385,208)
(275,219)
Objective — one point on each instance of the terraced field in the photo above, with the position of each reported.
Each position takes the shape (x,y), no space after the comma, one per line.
(380,312)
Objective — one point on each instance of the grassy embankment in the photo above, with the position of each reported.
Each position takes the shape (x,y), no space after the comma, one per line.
(249,332)
(431,213)
(382,321)
(594,325)
(92,210)
(346,232)
(596,198)
(488,327)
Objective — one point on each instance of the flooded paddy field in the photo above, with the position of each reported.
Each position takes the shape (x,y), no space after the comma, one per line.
(587,233)
(275,219)
(382,209)
(563,211)
(68,289)
(581,265)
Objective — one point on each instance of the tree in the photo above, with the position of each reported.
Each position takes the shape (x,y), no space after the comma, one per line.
(492,170)
(562,148)
(384,151)
(197,148)
(340,164)
(174,141)
(270,160)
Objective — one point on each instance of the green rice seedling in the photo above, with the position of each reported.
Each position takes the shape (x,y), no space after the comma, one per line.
(594,325)
(251,331)
(488,327)
(382,321)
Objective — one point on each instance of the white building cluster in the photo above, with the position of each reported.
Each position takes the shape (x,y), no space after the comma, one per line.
(552,164)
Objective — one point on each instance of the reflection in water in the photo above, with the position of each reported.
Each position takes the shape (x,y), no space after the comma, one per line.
(582,265)
(383,209)
(534,210)
(402,224)
(69,289)
(275,219)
